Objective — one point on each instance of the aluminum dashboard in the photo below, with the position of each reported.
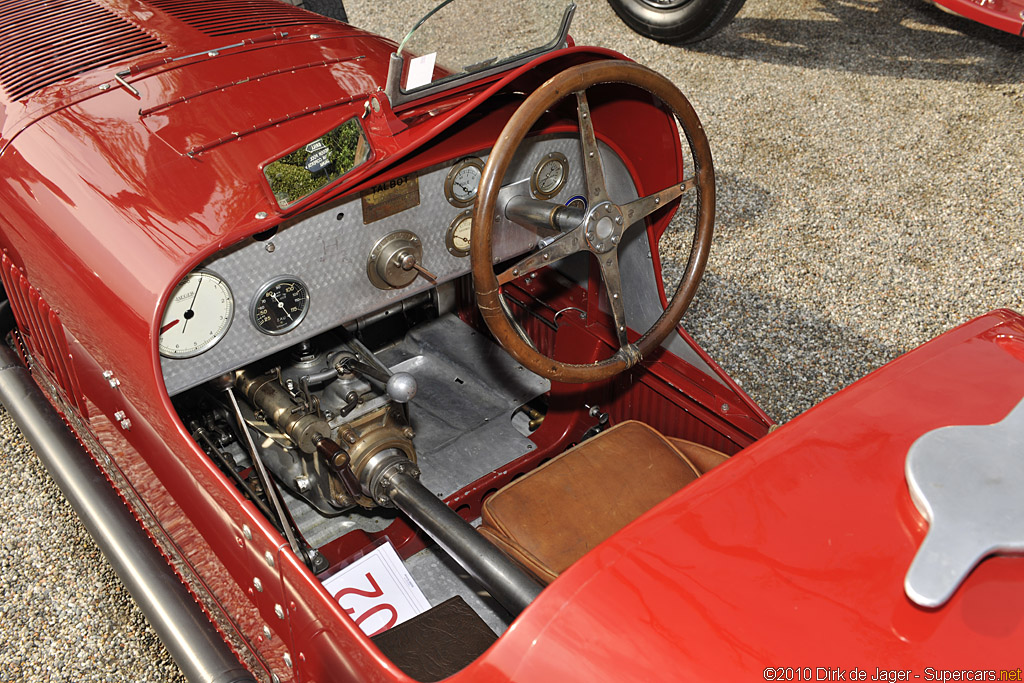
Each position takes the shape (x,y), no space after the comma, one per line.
(327,249)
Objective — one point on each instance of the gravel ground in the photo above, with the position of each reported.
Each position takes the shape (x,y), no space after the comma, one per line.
(870,183)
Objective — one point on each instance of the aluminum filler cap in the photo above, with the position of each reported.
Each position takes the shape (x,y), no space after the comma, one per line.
(968,482)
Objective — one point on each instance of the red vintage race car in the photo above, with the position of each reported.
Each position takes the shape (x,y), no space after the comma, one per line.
(357,360)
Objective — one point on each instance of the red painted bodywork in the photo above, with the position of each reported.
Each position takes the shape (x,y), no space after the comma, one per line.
(1005,15)
(790,555)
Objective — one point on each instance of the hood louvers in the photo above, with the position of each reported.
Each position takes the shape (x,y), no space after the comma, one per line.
(42,43)
(227,17)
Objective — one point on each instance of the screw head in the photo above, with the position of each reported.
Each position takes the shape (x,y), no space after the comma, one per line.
(261,215)
(279,611)
(269,558)
(247,532)
(257,584)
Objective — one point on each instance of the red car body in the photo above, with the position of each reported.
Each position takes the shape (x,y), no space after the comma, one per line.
(1005,15)
(789,557)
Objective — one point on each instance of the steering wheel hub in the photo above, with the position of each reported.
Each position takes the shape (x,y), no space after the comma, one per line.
(604,228)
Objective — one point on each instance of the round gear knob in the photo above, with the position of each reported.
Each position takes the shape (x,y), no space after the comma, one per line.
(401,387)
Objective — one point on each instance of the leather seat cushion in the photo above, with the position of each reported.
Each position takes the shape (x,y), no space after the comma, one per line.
(549,518)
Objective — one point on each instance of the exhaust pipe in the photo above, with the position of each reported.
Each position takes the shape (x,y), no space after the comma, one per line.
(192,640)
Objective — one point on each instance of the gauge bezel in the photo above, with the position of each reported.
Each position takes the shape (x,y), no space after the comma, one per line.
(449,181)
(273,282)
(562,161)
(213,341)
(449,235)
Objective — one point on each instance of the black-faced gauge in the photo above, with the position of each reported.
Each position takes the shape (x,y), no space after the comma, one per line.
(456,240)
(549,175)
(463,179)
(197,316)
(280,305)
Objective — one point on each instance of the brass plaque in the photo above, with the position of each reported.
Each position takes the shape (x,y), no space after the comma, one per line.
(390,197)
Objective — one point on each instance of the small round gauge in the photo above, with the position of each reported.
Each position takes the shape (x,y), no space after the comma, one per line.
(458,235)
(280,305)
(549,176)
(197,316)
(461,184)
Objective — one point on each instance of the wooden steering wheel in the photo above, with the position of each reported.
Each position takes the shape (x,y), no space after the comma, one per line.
(603,224)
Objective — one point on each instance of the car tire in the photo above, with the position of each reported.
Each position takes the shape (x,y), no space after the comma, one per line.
(677,21)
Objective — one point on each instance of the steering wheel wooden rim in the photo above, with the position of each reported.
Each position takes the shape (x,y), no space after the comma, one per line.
(575,81)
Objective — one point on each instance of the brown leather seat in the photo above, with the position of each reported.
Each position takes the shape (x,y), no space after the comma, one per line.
(549,518)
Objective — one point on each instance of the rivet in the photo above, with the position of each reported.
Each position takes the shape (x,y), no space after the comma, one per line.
(618,219)
(547,256)
(725,407)
(591,154)
(274,678)
(615,296)
(270,247)
(314,36)
(515,271)
(266,632)
(104,86)
(279,611)
(657,200)
(682,188)
(212,53)
(257,584)
(269,558)
(584,114)
(622,328)
(261,215)
(247,532)
(287,660)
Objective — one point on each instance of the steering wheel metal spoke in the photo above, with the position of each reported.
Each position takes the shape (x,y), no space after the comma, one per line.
(639,209)
(613,287)
(566,245)
(591,154)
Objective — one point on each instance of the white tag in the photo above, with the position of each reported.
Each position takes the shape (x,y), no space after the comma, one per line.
(421,71)
(377,591)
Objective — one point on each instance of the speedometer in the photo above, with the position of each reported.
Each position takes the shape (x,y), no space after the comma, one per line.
(280,305)
(197,316)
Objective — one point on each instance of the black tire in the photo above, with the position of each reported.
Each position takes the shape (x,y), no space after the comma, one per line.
(677,21)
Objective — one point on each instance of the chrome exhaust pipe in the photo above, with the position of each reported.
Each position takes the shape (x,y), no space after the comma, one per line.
(185,630)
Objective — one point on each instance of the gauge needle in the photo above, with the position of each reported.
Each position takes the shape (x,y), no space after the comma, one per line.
(169,325)
(190,313)
(280,304)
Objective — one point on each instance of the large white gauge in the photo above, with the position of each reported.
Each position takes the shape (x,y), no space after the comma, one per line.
(197,316)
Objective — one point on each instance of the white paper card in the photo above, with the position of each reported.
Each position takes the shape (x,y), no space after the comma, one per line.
(377,591)
(421,71)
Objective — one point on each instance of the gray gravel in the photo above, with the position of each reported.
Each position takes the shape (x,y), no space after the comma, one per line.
(870,177)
